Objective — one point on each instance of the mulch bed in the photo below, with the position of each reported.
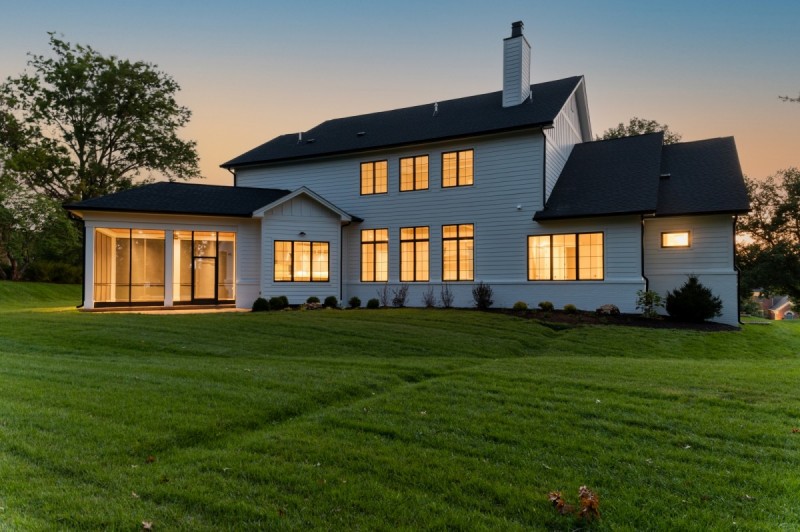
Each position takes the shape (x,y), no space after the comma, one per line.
(558,319)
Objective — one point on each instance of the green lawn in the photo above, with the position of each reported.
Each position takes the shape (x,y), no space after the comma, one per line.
(387,419)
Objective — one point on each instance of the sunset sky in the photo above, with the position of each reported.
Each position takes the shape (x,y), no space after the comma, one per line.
(251,70)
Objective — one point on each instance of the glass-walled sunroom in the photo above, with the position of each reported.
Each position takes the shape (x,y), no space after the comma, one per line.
(131,267)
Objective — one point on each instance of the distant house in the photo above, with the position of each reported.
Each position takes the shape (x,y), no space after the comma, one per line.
(507,188)
(775,307)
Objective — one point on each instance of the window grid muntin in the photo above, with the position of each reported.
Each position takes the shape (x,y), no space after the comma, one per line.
(315,256)
(414,173)
(458,252)
(587,263)
(458,168)
(415,254)
(374,255)
(374,177)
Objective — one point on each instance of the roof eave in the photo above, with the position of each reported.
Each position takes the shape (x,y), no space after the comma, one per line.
(541,216)
(231,165)
(79,210)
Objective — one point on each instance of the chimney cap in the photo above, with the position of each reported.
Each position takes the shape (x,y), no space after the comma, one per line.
(516,28)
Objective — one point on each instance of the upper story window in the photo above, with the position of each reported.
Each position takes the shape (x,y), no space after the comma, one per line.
(374,255)
(458,244)
(414,173)
(374,176)
(675,239)
(566,257)
(414,253)
(301,261)
(457,168)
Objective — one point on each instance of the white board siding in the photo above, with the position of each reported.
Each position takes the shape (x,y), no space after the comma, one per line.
(561,138)
(247,245)
(286,222)
(710,258)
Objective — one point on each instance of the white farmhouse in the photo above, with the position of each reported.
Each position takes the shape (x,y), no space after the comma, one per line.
(505,188)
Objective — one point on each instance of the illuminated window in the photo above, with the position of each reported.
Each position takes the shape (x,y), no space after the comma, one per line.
(414,251)
(677,239)
(128,266)
(457,252)
(457,168)
(414,173)
(374,255)
(374,177)
(301,261)
(566,257)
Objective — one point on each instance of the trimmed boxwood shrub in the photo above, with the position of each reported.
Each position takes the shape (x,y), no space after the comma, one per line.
(312,299)
(373,303)
(693,302)
(331,302)
(520,305)
(354,302)
(278,303)
(546,306)
(260,305)
(569,308)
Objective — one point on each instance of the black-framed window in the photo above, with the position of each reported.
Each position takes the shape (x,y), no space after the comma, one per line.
(458,250)
(374,255)
(566,257)
(414,254)
(676,239)
(413,173)
(301,261)
(374,177)
(457,168)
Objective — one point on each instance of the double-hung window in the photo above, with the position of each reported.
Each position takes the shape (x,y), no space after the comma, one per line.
(374,255)
(458,242)
(457,168)
(374,177)
(414,254)
(414,173)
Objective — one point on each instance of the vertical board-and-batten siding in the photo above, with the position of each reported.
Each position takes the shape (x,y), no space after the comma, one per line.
(709,257)
(565,133)
(516,71)
(285,222)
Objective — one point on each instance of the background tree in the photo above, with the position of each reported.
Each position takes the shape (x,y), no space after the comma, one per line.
(81,124)
(769,253)
(790,99)
(640,126)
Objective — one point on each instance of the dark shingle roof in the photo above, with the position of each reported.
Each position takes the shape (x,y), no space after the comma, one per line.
(624,176)
(184,198)
(461,117)
(704,177)
(607,177)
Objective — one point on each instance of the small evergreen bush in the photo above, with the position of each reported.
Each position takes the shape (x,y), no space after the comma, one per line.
(312,299)
(373,303)
(277,303)
(520,305)
(354,302)
(260,305)
(648,302)
(284,301)
(482,295)
(546,306)
(693,302)
(569,308)
(332,302)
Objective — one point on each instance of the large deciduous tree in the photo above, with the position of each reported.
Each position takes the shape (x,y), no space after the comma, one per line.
(769,253)
(81,124)
(640,126)
(790,99)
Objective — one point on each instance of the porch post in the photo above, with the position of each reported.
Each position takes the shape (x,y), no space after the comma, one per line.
(88,267)
(169,258)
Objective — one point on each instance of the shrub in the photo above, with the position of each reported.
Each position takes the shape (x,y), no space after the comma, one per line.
(278,303)
(332,302)
(648,302)
(693,302)
(383,295)
(482,295)
(546,306)
(354,302)
(429,297)
(447,296)
(373,303)
(399,295)
(569,308)
(520,305)
(260,305)
(312,299)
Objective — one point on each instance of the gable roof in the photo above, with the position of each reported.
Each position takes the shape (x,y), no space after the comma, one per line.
(184,198)
(637,175)
(473,115)
(305,191)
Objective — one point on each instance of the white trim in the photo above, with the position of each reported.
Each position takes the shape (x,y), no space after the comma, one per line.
(259,213)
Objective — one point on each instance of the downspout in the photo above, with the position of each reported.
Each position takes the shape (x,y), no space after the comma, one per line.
(641,244)
(738,277)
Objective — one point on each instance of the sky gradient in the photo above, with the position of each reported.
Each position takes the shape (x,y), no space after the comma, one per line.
(251,70)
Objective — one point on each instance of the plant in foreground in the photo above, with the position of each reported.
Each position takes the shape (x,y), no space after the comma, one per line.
(588,506)
(482,295)
(373,303)
(520,305)
(693,302)
(648,301)
(546,306)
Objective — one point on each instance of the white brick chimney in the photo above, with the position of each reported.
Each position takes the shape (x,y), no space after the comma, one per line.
(516,67)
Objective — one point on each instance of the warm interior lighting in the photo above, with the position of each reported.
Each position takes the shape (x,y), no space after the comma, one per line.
(677,239)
